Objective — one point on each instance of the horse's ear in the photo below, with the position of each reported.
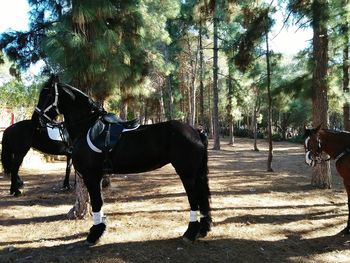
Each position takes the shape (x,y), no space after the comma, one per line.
(54,77)
(306,132)
(318,128)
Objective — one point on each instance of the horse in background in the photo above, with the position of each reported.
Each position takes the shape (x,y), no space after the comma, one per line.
(145,149)
(18,138)
(337,145)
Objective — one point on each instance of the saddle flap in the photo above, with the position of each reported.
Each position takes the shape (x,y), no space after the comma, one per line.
(102,137)
(96,129)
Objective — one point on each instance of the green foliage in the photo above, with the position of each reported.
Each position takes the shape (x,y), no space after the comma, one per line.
(15,93)
(138,51)
(97,45)
(257,23)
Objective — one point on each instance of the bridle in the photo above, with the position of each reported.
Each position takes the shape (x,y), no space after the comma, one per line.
(314,156)
(54,104)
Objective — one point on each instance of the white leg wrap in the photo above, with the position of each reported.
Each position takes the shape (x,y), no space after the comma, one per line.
(98,217)
(193,216)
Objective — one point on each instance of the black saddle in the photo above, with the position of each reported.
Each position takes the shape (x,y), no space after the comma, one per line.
(106,131)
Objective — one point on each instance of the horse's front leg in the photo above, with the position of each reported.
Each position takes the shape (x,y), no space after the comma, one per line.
(93,184)
(66,184)
(346,230)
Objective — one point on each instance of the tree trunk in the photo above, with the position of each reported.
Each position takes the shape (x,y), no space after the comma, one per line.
(161,104)
(269,97)
(169,92)
(230,107)
(321,174)
(210,113)
(193,97)
(201,76)
(82,206)
(216,128)
(346,107)
(170,115)
(193,86)
(124,109)
(255,124)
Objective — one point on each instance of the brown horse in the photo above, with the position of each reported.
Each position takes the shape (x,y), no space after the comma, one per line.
(337,145)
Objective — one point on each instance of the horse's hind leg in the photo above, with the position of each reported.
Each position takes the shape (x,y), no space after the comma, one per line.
(93,184)
(198,196)
(203,195)
(66,184)
(16,181)
(192,232)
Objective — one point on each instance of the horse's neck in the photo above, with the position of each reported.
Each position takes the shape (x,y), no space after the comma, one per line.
(333,143)
(77,127)
(35,118)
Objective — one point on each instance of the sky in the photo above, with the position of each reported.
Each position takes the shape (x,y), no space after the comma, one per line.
(14,15)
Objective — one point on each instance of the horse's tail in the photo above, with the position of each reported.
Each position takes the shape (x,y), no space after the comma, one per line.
(6,160)
(202,180)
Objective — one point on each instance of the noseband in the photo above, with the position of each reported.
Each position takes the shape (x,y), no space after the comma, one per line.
(314,156)
(42,113)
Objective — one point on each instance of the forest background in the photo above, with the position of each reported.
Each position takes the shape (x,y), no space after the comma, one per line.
(204,62)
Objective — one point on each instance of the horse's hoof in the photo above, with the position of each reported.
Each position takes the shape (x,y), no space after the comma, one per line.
(66,188)
(345,231)
(192,232)
(15,192)
(205,226)
(96,231)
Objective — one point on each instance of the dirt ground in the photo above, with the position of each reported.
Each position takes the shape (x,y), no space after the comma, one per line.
(258,216)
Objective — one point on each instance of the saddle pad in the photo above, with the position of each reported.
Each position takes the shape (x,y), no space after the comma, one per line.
(54,133)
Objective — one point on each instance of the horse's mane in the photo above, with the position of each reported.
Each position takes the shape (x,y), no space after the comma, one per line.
(75,90)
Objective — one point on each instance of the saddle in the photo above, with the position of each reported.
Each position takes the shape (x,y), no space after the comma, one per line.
(104,135)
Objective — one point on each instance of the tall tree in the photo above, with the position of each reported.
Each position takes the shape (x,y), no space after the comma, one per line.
(321,176)
(344,31)
(318,12)
(269,96)
(216,127)
(346,62)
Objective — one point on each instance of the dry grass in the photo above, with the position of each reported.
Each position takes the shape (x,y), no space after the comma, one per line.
(258,216)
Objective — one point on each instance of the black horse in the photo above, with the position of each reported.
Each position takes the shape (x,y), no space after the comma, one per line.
(18,138)
(145,149)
